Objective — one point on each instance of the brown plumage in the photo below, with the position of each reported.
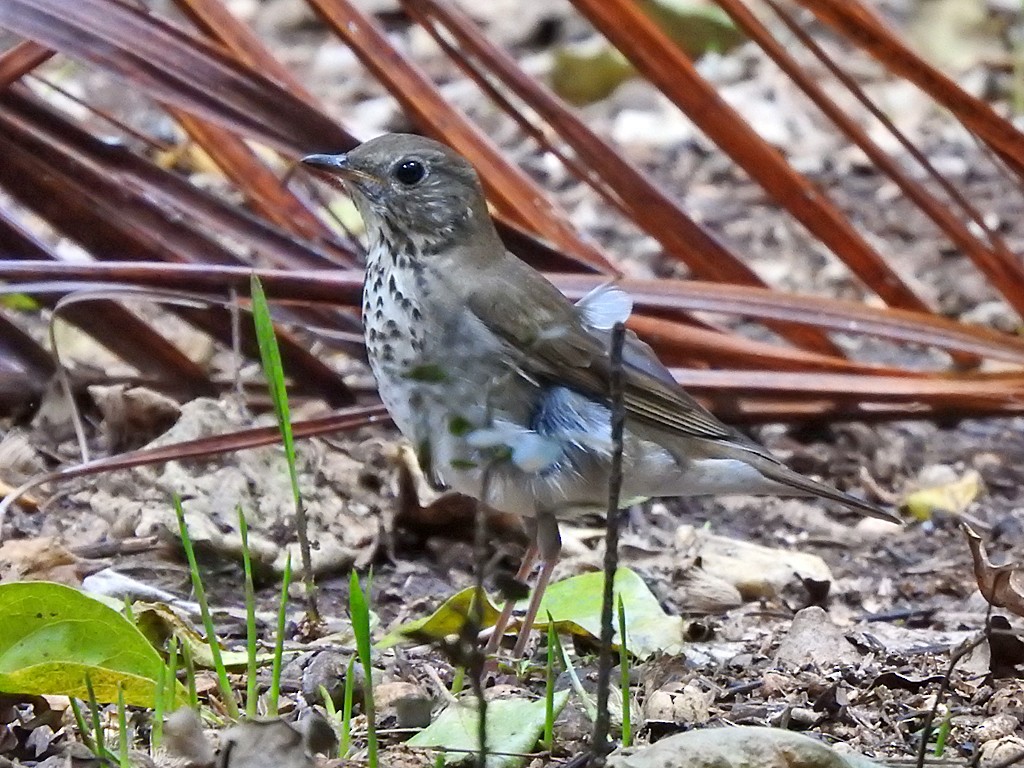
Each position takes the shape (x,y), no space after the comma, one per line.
(483,362)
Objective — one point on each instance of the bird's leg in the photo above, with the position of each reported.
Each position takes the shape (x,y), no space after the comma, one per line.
(549,546)
(498,630)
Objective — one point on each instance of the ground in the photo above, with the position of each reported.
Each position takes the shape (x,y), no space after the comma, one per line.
(897,602)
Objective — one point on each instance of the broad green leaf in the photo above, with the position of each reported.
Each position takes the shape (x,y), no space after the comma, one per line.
(575,607)
(53,636)
(446,620)
(513,725)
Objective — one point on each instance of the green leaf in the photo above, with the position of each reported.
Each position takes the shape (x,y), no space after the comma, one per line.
(696,27)
(513,725)
(273,370)
(575,606)
(446,620)
(53,636)
(589,72)
(359,610)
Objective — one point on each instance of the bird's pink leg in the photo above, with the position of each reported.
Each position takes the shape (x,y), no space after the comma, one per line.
(529,558)
(549,546)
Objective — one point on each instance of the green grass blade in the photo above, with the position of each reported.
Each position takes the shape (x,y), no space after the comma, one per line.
(549,687)
(190,674)
(332,713)
(171,690)
(273,371)
(156,733)
(251,695)
(275,670)
(627,720)
(122,730)
(458,680)
(589,706)
(346,708)
(360,615)
(84,731)
(230,704)
(99,741)
(942,736)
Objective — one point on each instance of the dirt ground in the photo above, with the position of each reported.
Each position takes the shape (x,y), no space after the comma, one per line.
(897,602)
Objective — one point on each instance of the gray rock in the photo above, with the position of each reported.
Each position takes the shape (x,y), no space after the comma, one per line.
(738,747)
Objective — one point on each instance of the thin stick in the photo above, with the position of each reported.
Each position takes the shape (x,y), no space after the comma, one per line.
(599,743)
(955,658)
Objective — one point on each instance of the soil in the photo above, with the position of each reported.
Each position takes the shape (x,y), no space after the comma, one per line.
(899,604)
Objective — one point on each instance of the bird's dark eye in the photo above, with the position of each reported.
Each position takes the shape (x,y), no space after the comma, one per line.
(409,172)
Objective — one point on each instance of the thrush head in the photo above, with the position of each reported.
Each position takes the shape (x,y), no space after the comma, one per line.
(409,186)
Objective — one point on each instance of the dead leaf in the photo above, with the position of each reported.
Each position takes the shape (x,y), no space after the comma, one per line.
(953,496)
(259,743)
(1001,585)
(132,416)
(39,559)
(159,622)
(19,458)
(814,639)
(755,571)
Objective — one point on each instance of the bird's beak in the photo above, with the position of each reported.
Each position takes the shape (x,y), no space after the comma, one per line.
(337,165)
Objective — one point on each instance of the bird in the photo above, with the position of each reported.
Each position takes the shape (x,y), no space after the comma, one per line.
(501,383)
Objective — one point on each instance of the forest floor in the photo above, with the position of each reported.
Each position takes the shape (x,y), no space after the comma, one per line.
(895,602)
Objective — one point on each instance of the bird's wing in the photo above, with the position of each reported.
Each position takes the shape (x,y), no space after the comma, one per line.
(556,343)
(551,341)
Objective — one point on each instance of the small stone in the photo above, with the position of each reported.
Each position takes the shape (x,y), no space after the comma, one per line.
(414,711)
(1000,751)
(325,671)
(996,727)
(813,639)
(873,529)
(406,701)
(735,747)
(184,738)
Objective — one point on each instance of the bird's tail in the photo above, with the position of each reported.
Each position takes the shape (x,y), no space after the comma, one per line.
(780,473)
